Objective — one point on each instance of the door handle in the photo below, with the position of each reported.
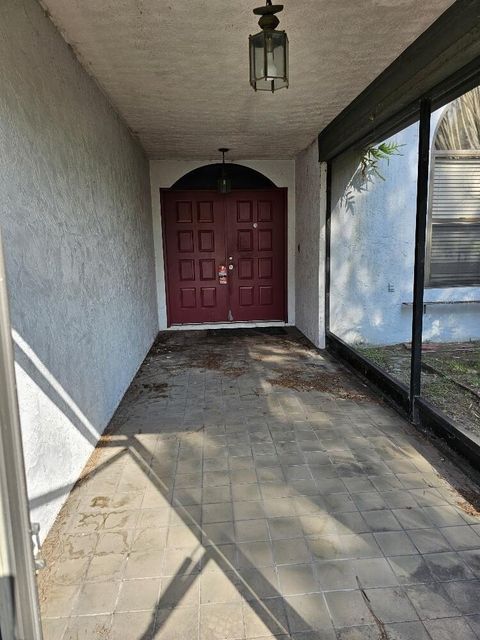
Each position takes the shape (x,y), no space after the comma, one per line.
(230,267)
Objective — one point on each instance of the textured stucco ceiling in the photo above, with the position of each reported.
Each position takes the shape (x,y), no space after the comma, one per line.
(177,70)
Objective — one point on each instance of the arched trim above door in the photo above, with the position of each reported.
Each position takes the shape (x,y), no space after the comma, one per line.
(206,177)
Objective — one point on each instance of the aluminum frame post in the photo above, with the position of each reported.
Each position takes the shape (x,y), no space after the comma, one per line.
(17,549)
(419,266)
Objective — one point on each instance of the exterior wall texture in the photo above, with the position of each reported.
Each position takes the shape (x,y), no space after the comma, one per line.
(75,214)
(164,173)
(310,245)
(372,256)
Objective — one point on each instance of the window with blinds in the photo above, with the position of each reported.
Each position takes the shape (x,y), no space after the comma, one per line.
(453,257)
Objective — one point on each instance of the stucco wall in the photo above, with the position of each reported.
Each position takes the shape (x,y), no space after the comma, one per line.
(372,256)
(76,218)
(310,241)
(164,173)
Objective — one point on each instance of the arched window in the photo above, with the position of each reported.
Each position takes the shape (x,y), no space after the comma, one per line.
(454,222)
(206,177)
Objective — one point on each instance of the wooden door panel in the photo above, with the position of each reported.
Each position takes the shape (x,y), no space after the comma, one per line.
(194,242)
(256,245)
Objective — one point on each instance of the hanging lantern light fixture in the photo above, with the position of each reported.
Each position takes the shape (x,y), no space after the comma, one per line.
(224,184)
(269,51)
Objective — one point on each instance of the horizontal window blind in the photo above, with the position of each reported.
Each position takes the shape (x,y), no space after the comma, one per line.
(455,221)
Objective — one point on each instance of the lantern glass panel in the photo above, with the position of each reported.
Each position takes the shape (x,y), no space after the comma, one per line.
(269,60)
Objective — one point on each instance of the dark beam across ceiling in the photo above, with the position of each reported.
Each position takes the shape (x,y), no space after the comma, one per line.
(440,64)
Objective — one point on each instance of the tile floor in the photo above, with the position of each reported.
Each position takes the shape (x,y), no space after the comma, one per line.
(249,487)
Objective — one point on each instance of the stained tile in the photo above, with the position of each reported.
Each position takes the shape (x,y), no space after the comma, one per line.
(411,569)
(429,540)
(431,601)
(465,595)
(254,506)
(96,626)
(448,628)
(391,605)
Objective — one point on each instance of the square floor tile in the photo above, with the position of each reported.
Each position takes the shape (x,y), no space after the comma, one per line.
(97,626)
(369,501)
(59,600)
(431,601)
(221,622)
(296,579)
(217,512)
(375,572)
(472,560)
(219,586)
(219,533)
(259,582)
(284,528)
(461,537)
(251,530)
(53,629)
(248,510)
(444,516)
(348,608)
(395,543)
(138,595)
(382,520)
(216,494)
(144,564)
(96,597)
(177,624)
(406,631)
(465,595)
(246,492)
(266,618)
(448,566)
(291,551)
(179,591)
(336,574)
(136,624)
(411,569)
(429,541)
(391,605)
(281,507)
(307,613)
(254,554)
(448,628)
(415,518)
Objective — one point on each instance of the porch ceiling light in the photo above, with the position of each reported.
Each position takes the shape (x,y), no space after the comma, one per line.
(224,184)
(269,51)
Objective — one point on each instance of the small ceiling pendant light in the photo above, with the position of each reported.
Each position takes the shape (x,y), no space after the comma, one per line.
(269,51)
(224,184)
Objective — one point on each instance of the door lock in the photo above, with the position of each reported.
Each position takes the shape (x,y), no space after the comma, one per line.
(230,267)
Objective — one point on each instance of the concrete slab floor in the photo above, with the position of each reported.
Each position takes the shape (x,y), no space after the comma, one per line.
(249,487)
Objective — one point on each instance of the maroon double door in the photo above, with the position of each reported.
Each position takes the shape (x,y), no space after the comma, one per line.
(225,255)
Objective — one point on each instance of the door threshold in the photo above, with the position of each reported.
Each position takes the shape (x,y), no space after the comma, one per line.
(227,325)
